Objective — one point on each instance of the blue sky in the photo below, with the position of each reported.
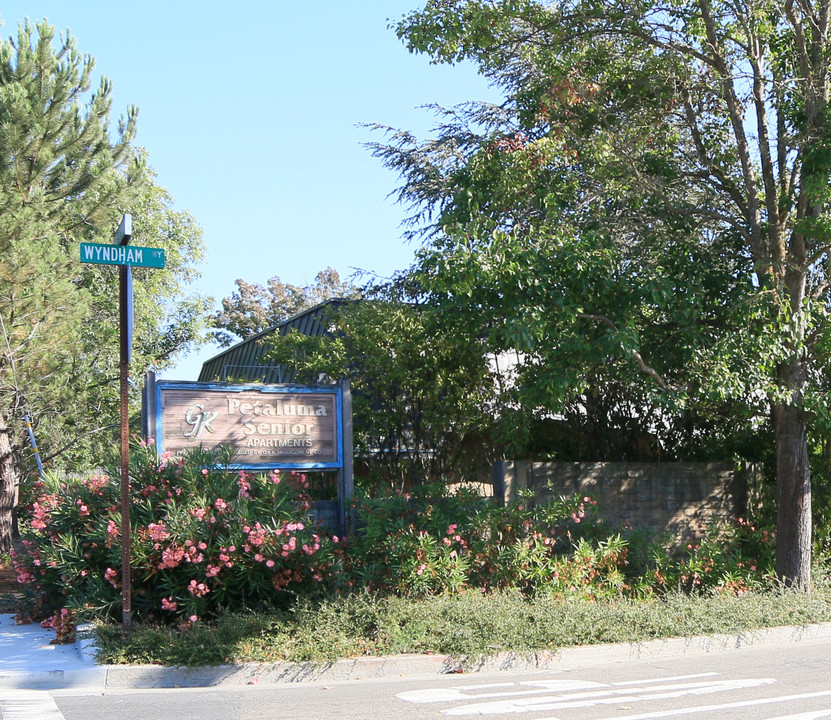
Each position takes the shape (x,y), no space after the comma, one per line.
(250,112)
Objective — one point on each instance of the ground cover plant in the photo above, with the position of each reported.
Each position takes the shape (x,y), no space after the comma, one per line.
(233,556)
(468,625)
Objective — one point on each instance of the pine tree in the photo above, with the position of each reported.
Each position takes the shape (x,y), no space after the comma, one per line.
(66,176)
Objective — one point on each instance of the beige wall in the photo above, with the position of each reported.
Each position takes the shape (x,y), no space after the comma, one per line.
(680,498)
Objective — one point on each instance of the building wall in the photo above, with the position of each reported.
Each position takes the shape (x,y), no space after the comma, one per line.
(679,498)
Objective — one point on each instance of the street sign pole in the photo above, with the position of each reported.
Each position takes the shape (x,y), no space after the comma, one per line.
(125,256)
(124,368)
(122,237)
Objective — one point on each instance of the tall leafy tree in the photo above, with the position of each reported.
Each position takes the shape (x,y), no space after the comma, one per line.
(67,175)
(421,392)
(253,308)
(653,191)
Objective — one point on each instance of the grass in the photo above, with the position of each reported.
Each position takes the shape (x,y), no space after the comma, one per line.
(466,625)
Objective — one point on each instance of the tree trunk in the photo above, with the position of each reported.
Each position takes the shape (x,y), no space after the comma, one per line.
(793,486)
(8,486)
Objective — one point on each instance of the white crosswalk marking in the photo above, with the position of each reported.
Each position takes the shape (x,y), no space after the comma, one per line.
(607,696)
(725,706)
(815,715)
(563,693)
(28,705)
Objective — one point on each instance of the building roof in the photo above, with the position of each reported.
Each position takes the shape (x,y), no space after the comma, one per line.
(244,361)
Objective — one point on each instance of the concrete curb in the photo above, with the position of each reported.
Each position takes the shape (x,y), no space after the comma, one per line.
(373,668)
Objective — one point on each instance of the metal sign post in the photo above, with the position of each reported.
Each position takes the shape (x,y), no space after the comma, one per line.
(124,374)
(119,254)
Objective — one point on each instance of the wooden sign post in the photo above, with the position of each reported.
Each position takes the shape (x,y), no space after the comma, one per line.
(118,254)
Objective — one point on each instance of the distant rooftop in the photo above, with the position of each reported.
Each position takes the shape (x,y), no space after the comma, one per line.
(244,361)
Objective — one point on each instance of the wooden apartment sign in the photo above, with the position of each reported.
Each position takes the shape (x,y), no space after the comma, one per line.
(268,426)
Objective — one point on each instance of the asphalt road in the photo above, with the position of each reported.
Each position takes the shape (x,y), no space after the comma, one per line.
(792,683)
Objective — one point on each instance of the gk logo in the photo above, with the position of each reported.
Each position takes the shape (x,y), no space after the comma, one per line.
(200,420)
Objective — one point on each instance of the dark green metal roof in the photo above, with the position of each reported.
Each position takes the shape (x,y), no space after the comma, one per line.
(244,361)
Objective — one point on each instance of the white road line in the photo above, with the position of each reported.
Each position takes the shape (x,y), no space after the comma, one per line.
(673,678)
(28,705)
(466,692)
(813,715)
(604,697)
(433,695)
(716,708)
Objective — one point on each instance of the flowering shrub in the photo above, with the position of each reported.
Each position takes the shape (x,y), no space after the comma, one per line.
(431,543)
(203,538)
(734,557)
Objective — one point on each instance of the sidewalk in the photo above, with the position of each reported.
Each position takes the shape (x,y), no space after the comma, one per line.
(28,661)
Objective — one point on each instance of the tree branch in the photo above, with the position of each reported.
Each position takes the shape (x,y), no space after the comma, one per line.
(636,356)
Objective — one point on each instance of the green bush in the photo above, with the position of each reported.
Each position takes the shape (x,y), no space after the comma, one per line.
(432,543)
(734,557)
(203,538)
(207,540)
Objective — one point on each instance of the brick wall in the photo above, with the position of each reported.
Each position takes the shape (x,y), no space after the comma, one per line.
(680,498)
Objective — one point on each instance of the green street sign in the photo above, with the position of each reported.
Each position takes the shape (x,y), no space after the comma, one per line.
(122,255)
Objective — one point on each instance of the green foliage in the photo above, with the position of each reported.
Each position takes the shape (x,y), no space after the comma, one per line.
(420,391)
(619,222)
(204,538)
(736,559)
(432,543)
(253,308)
(67,173)
(470,626)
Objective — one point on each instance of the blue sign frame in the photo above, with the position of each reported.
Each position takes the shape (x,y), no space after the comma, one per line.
(156,417)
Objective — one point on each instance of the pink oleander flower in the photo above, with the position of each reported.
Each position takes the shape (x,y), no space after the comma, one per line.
(220,504)
(269,563)
(112,529)
(169,604)
(212,570)
(198,513)
(111,576)
(243,484)
(171,557)
(158,532)
(198,589)
(39,516)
